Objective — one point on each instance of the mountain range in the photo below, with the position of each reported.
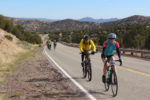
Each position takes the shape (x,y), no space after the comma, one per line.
(85,19)
(90,19)
(70,24)
(48,26)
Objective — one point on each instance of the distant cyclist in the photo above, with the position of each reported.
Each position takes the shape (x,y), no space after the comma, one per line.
(108,52)
(54,44)
(49,44)
(86,45)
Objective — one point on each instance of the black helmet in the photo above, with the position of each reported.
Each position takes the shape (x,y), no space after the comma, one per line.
(86,37)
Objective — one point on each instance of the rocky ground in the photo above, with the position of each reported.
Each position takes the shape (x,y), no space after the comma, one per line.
(37,79)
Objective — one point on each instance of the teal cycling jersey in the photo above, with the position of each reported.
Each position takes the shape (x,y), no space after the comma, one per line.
(109,48)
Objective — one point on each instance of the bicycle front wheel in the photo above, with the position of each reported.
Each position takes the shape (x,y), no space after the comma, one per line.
(107,82)
(89,72)
(84,71)
(114,84)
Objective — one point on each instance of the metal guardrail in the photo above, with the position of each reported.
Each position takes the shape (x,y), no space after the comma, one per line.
(131,52)
(135,51)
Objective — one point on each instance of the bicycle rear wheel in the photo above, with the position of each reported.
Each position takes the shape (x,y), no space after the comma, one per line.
(89,72)
(114,84)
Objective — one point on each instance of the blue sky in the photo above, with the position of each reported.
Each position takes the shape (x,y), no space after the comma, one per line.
(61,9)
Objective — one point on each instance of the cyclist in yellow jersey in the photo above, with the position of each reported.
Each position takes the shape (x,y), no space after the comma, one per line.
(86,45)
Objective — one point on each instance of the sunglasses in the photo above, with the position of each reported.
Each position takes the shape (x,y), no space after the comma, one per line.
(111,38)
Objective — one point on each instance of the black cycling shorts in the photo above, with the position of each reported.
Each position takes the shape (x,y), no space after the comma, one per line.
(106,56)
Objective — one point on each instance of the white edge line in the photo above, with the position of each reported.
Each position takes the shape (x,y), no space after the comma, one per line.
(75,82)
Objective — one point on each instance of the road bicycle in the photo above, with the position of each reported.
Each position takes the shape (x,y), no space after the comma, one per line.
(111,77)
(86,67)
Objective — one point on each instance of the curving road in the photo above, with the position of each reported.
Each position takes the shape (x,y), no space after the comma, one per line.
(133,76)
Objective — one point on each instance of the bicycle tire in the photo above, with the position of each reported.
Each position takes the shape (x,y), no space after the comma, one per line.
(84,71)
(114,84)
(89,72)
(106,82)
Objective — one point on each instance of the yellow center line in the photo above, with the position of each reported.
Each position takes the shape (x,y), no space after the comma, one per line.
(137,72)
(123,68)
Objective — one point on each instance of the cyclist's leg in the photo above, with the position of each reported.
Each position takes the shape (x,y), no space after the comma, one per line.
(112,58)
(105,66)
(104,69)
(82,59)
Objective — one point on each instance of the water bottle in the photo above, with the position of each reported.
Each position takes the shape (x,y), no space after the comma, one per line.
(109,74)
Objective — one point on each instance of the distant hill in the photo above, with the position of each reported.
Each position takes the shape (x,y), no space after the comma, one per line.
(41,19)
(90,19)
(136,19)
(46,26)
(69,24)
(86,19)
(31,25)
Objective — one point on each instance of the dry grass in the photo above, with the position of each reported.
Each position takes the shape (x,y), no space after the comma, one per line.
(8,49)
(11,52)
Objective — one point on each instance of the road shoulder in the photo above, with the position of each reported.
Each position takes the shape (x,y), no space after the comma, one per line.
(37,79)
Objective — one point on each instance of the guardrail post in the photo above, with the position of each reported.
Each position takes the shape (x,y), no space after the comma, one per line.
(142,55)
(123,52)
(132,53)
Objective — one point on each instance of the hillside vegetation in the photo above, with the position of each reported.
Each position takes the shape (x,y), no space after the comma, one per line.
(129,36)
(132,32)
(136,19)
(19,32)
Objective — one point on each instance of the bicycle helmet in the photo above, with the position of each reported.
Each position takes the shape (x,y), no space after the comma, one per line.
(112,35)
(86,37)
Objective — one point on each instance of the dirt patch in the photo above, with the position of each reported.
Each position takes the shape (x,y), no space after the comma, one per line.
(37,79)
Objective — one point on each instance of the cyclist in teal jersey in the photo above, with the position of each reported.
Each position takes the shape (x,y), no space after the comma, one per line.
(108,52)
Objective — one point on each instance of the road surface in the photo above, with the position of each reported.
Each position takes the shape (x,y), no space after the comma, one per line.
(133,76)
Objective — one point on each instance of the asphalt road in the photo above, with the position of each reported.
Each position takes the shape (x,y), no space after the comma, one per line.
(133,76)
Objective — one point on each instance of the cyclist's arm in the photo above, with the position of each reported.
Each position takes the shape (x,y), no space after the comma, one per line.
(81,45)
(93,46)
(104,48)
(118,50)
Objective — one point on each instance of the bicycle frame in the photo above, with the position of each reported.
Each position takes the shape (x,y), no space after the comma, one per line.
(87,57)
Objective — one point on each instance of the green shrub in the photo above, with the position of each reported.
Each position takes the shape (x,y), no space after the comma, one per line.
(18,31)
(8,37)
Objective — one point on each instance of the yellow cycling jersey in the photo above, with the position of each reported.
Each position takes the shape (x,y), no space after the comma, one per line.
(87,46)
